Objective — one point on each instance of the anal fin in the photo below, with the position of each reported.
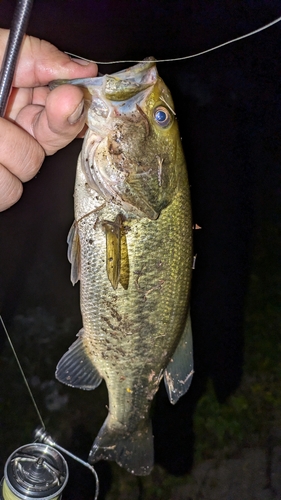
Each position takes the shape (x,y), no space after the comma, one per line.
(76,369)
(178,374)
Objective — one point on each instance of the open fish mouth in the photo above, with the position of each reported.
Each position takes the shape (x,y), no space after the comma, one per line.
(116,94)
(127,82)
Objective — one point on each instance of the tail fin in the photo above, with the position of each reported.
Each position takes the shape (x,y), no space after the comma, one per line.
(133,451)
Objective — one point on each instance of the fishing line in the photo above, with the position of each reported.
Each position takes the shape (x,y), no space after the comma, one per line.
(233,40)
(40,433)
(22,372)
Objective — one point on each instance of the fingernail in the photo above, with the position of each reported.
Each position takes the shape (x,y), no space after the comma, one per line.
(83,62)
(76,115)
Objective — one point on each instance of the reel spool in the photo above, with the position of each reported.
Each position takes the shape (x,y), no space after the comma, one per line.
(34,471)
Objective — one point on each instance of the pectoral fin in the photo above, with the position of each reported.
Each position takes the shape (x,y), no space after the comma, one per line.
(178,374)
(73,253)
(76,369)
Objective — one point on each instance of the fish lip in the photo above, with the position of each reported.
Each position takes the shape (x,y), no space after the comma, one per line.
(143,73)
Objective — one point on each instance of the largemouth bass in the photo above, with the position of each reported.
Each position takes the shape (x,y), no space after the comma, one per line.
(130,246)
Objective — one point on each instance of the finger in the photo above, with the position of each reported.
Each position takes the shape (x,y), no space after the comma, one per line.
(20,153)
(40,62)
(10,188)
(59,122)
(19,98)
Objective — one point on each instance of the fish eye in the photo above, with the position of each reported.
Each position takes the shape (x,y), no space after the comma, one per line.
(162,116)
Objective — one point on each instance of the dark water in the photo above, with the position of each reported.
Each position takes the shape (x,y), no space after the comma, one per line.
(228,104)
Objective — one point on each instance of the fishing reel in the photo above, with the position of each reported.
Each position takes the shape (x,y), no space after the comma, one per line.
(38,471)
(35,471)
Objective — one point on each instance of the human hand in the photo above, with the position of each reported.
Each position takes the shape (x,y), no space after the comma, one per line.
(38,122)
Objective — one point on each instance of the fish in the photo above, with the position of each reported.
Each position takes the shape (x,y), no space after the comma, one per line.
(131,248)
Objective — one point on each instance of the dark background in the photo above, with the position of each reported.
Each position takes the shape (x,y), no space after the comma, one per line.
(228,105)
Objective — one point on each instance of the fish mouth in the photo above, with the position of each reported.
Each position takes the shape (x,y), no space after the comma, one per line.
(129,82)
(120,85)
(124,90)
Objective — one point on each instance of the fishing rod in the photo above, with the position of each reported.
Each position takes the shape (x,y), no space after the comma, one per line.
(18,28)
